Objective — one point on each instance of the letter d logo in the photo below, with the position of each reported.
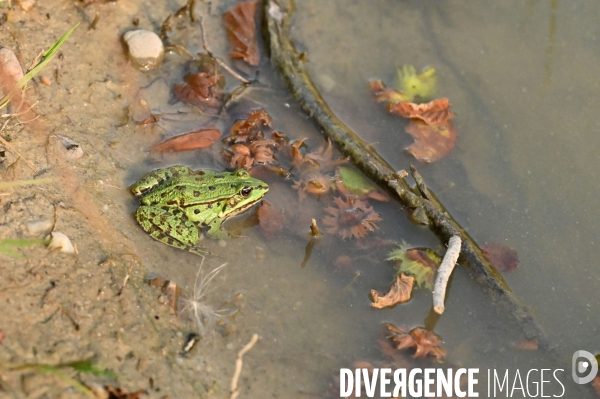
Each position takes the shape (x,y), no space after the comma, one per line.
(580,367)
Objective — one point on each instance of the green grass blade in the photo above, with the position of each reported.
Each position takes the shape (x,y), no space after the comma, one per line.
(46,57)
(9,245)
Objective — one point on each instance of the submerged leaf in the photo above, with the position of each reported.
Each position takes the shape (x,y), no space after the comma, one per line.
(399,292)
(421,263)
(351,218)
(425,343)
(350,181)
(383,94)
(432,142)
(202,138)
(422,85)
(503,258)
(433,112)
(240,25)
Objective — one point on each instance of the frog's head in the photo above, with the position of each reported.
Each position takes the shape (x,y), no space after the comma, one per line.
(248,192)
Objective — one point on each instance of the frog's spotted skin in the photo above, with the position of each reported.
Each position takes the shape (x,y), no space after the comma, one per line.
(174,199)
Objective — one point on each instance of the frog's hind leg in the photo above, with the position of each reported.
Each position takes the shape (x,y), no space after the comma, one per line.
(169,226)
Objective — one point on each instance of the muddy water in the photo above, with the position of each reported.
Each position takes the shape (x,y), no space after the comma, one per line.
(522,81)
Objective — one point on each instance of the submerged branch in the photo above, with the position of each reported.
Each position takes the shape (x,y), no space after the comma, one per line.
(291,65)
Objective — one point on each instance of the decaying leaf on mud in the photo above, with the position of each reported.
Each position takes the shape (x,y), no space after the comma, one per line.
(421,263)
(425,343)
(202,138)
(399,292)
(503,258)
(204,88)
(351,218)
(240,25)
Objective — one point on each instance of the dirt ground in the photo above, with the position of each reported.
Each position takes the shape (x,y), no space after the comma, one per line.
(95,305)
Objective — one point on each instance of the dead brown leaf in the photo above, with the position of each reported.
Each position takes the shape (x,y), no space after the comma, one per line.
(241,29)
(121,393)
(423,341)
(399,292)
(432,113)
(202,138)
(432,142)
(351,218)
(202,89)
(503,258)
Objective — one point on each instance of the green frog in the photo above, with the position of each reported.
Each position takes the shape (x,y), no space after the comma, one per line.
(175,199)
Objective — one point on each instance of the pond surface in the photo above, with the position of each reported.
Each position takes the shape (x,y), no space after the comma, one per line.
(521,78)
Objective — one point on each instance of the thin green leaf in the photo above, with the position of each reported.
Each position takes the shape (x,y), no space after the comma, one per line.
(9,245)
(86,366)
(69,380)
(46,57)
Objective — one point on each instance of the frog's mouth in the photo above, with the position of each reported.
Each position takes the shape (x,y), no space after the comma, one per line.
(243,208)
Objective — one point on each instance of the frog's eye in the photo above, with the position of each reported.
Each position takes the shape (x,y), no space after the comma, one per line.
(245,192)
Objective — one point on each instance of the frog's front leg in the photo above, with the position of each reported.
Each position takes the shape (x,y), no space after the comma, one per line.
(158,176)
(214,229)
(168,225)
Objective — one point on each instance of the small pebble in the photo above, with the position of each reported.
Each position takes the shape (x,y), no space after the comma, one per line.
(61,242)
(146,50)
(37,227)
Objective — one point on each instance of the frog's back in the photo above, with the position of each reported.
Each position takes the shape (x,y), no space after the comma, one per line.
(202,187)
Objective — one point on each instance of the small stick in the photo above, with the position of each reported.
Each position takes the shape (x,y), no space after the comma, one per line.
(10,147)
(444,272)
(218,60)
(238,367)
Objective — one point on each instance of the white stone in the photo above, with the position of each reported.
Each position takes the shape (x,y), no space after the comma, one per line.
(61,242)
(146,50)
(37,227)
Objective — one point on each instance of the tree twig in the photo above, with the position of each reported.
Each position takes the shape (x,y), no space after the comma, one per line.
(238,367)
(444,272)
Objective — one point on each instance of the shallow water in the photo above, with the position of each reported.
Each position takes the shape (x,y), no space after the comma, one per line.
(521,77)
